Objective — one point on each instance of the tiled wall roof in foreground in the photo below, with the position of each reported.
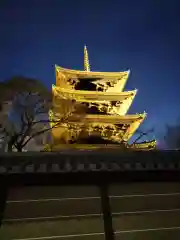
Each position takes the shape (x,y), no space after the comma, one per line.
(76,161)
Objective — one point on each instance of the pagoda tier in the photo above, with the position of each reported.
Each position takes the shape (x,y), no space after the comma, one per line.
(103,81)
(111,103)
(90,74)
(116,128)
(86,96)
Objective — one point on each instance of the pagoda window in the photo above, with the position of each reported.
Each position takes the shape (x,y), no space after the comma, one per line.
(94,110)
(85,84)
(120,125)
(113,103)
(100,88)
(108,84)
(72,81)
(123,127)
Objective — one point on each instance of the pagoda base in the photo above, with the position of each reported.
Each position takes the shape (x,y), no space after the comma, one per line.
(97,147)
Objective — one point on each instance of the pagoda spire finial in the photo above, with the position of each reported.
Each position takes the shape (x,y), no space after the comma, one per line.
(86,60)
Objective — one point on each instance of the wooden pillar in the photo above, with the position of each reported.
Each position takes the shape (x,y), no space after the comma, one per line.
(106,210)
(3,196)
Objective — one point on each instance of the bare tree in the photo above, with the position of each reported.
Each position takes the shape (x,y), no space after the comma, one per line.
(29,118)
(140,133)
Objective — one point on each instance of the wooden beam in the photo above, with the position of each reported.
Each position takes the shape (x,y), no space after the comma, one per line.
(106,210)
(3,196)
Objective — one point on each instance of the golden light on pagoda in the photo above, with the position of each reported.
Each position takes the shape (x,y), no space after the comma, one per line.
(86,60)
(105,94)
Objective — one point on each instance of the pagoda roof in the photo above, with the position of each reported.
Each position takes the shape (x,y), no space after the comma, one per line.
(92,96)
(90,74)
(129,123)
(147,145)
(111,119)
(123,76)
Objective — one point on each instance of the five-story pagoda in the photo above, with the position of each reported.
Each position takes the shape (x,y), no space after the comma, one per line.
(107,104)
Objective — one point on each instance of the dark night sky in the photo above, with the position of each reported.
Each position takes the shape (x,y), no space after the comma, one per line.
(141,35)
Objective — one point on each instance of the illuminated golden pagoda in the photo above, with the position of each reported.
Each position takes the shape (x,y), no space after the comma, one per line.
(107,104)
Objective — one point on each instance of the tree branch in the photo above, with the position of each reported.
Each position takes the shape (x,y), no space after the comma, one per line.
(142,134)
(39,133)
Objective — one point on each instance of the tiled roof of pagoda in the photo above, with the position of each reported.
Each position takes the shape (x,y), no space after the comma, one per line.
(96,96)
(84,74)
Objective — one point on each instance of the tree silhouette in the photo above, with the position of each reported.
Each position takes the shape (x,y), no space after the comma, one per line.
(20,84)
(29,118)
